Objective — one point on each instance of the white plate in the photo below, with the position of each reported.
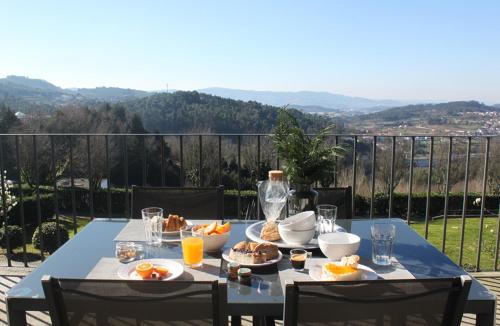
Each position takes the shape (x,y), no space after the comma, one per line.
(368,273)
(225,255)
(253,233)
(176,233)
(127,272)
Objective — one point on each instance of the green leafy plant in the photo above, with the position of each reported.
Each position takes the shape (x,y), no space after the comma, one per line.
(307,158)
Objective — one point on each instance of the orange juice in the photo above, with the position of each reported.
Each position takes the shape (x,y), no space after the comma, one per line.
(192,251)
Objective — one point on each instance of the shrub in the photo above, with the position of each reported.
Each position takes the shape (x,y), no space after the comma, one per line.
(31,211)
(15,234)
(47,232)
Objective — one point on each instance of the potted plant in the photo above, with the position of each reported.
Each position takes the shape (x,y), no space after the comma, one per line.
(307,159)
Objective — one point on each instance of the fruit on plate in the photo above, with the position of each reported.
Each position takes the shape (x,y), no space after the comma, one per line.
(161,271)
(144,269)
(174,223)
(213,228)
(345,270)
(253,253)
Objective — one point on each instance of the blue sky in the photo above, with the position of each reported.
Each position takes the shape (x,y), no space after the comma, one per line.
(425,49)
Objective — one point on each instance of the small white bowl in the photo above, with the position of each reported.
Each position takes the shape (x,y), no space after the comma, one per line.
(296,237)
(302,221)
(338,244)
(215,242)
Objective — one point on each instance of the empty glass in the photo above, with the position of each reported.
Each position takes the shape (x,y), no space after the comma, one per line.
(327,215)
(153,225)
(383,235)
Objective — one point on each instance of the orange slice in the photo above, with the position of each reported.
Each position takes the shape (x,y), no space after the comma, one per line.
(223,228)
(161,271)
(339,270)
(210,228)
(144,270)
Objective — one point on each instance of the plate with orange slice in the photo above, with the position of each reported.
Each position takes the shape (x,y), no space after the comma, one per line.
(334,271)
(151,270)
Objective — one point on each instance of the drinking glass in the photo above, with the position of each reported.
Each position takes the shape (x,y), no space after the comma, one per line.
(153,225)
(128,251)
(383,235)
(192,247)
(327,215)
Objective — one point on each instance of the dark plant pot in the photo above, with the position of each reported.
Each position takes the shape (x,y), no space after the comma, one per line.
(302,198)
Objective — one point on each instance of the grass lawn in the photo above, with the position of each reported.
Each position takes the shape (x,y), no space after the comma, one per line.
(453,232)
(33,253)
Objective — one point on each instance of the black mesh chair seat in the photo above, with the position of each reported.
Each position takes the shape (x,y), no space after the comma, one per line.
(340,197)
(193,203)
(118,302)
(380,302)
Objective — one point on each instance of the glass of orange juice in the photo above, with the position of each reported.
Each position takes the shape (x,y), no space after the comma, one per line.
(192,247)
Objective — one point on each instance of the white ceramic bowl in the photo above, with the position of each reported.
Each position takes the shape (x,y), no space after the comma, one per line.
(302,221)
(338,244)
(215,242)
(296,237)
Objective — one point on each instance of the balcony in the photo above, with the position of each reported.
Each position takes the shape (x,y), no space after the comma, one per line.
(445,187)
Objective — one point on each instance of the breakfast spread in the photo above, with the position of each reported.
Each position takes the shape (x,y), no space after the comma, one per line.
(174,223)
(149,271)
(213,228)
(345,270)
(270,232)
(253,253)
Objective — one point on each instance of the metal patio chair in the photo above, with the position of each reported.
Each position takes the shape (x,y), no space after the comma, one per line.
(193,203)
(379,302)
(120,302)
(340,197)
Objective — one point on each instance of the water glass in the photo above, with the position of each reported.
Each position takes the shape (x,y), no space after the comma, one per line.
(327,215)
(192,247)
(153,225)
(383,235)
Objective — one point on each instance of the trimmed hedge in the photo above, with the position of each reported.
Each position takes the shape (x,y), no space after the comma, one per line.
(48,233)
(119,200)
(30,210)
(15,233)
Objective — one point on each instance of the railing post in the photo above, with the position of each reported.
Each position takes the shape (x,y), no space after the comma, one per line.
(335,175)
(54,176)
(429,180)
(200,160)
(219,161)
(4,205)
(374,159)
(91,190)
(447,194)
(125,176)
(391,186)
(162,161)
(239,176)
(144,163)
(108,176)
(72,177)
(21,200)
(483,205)
(464,204)
(410,181)
(181,147)
(354,167)
(37,190)
(258,175)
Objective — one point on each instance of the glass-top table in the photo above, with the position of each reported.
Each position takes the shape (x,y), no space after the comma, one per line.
(264,297)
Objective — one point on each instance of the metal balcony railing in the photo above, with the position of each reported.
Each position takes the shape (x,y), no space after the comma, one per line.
(21,153)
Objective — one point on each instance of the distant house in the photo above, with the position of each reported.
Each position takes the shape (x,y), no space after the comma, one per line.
(20,115)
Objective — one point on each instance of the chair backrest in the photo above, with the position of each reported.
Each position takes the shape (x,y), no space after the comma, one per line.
(379,302)
(119,302)
(193,203)
(340,197)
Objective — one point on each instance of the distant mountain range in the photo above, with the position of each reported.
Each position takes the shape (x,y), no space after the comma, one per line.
(305,98)
(428,111)
(22,93)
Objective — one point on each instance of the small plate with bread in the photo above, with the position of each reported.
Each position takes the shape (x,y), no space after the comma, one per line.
(347,269)
(173,223)
(253,254)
